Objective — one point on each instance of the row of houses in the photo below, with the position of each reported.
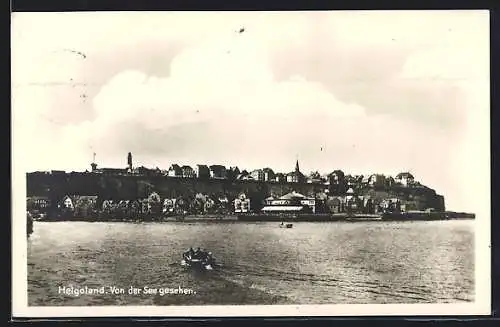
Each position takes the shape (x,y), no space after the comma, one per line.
(91,205)
(267,174)
(322,203)
(154,204)
(338,181)
(404,179)
(221,172)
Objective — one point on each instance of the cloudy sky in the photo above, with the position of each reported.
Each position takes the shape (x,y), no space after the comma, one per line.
(359,91)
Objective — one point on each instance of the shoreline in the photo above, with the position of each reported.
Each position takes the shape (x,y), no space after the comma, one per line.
(271,218)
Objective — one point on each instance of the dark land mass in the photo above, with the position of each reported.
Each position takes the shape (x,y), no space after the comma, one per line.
(56,186)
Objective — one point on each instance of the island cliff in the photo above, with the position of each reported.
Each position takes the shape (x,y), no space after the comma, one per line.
(144,193)
(53,187)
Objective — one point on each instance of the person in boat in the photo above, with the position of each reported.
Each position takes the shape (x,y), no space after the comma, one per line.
(210,259)
(205,255)
(197,254)
(188,254)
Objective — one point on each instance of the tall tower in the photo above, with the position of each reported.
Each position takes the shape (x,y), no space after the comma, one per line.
(297,166)
(93,164)
(129,160)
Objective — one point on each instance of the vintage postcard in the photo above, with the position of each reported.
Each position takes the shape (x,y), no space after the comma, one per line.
(190,164)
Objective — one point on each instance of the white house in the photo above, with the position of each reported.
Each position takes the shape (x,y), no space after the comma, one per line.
(67,202)
(405,179)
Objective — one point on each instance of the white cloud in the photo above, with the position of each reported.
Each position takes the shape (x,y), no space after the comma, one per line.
(224,82)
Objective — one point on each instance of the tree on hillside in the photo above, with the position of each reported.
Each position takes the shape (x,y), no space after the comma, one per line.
(155,205)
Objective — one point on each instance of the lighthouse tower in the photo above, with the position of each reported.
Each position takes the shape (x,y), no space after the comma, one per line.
(93,164)
(129,161)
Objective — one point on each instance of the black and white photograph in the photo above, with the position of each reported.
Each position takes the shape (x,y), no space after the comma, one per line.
(285,163)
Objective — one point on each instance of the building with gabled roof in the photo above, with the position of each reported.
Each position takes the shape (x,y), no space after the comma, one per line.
(188,172)
(405,179)
(218,172)
(175,171)
(269,174)
(202,171)
(257,174)
(290,202)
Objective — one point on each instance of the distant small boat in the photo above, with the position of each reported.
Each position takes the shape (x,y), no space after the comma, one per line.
(286,225)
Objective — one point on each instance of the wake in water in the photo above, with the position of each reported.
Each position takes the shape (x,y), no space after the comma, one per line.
(217,287)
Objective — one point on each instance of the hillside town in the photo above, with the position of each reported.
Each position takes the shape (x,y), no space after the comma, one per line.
(267,174)
(336,192)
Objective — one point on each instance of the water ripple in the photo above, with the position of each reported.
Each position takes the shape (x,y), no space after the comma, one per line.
(313,263)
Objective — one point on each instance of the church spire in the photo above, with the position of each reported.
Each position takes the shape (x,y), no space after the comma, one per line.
(297,166)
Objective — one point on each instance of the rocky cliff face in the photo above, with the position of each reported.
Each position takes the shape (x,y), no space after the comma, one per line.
(413,198)
(56,186)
